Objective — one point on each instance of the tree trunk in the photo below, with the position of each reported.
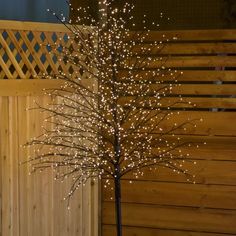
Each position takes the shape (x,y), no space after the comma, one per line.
(118,206)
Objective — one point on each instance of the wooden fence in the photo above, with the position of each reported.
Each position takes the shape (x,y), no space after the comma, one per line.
(163,203)
(160,203)
(34,205)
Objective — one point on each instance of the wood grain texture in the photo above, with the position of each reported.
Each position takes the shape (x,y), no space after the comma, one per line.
(189,35)
(154,216)
(182,194)
(207,172)
(207,102)
(184,61)
(109,230)
(212,124)
(188,48)
(1,168)
(7,226)
(33,204)
(187,76)
(193,89)
(161,202)
(27,87)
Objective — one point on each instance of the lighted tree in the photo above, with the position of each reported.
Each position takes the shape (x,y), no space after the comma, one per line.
(113,108)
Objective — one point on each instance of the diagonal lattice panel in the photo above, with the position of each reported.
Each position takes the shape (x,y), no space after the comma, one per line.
(27,67)
(27,54)
(12,63)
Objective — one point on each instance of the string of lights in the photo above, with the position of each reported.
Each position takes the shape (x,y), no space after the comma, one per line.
(106,122)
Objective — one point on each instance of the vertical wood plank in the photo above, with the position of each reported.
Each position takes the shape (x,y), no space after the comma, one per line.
(30,127)
(1,164)
(23,120)
(33,204)
(47,179)
(60,211)
(37,177)
(96,211)
(76,213)
(86,211)
(37,186)
(14,164)
(6,177)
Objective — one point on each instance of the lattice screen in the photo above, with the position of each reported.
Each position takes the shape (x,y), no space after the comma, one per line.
(27,54)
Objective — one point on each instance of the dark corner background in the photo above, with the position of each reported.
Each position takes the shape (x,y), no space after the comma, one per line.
(184,14)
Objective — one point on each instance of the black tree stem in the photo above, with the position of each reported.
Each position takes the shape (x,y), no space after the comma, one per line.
(118,206)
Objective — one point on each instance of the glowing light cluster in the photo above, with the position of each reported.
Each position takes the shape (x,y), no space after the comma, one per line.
(117,116)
